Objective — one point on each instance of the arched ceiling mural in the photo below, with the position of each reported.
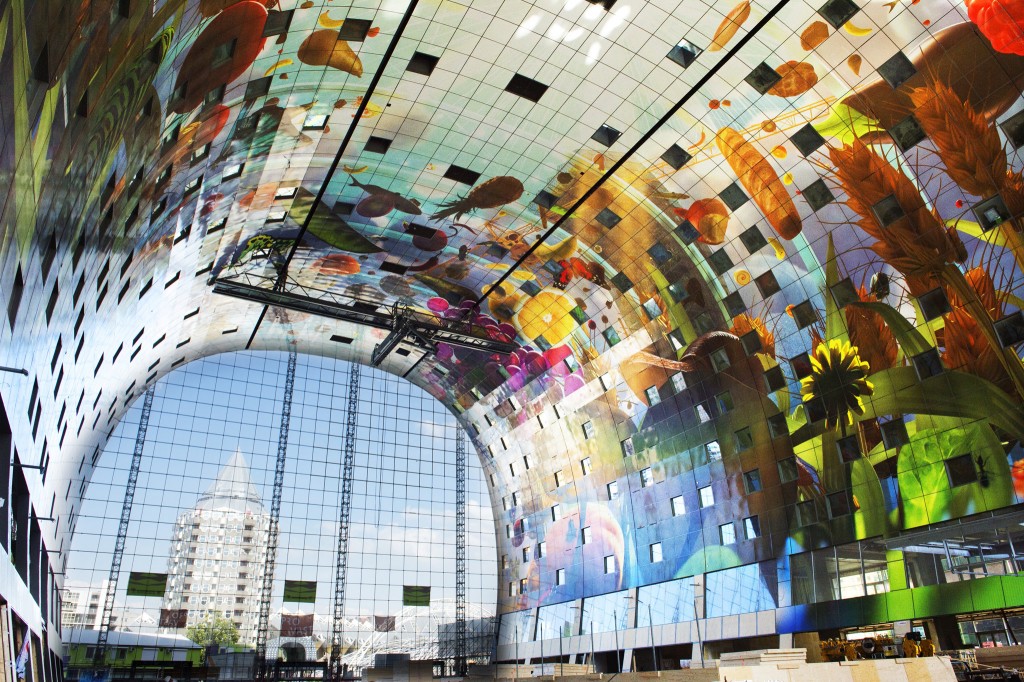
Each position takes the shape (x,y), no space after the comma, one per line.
(813,205)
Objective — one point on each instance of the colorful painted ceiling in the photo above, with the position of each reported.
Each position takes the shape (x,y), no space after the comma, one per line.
(697,222)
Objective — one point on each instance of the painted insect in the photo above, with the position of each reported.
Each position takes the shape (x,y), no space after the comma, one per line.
(491,194)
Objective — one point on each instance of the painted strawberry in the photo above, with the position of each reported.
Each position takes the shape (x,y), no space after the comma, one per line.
(1001,21)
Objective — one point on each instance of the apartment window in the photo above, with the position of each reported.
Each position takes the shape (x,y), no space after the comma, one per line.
(788,469)
(606,382)
(526,462)
(678,505)
(961,470)
(522,586)
(588,430)
(511,589)
(627,447)
(512,468)
(508,530)
(752,481)
(707,496)
(725,402)
(713,451)
(542,550)
(720,360)
(585,466)
(805,513)
(585,535)
(613,490)
(727,533)
(703,413)
(526,554)
(653,397)
(609,564)
(744,439)
(656,553)
(751,528)
(678,382)
(556,512)
(558,479)
(838,504)
(515,499)
(646,478)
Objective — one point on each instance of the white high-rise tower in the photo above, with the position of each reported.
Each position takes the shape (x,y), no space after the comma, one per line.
(218,551)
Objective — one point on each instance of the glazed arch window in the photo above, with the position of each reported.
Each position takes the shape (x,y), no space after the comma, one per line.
(707,497)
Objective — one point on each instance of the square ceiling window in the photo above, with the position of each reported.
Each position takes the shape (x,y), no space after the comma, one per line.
(684,53)
(1013,128)
(527,88)
(767,284)
(934,303)
(214,96)
(733,196)
(285,192)
(344,207)
(315,122)
(907,133)
(545,199)
(277,23)
(1010,329)
(844,293)
(801,365)
(422,63)
(734,304)
(887,211)
(676,156)
(753,240)
(720,262)
(395,268)
(991,212)
(223,52)
(805,314)
(354,30)
(659,254)
(838,12)
(608,218)
(894,433)
(687,232)
(839,504)
(777,425)
(622,282)
(815,410)
(818,195)
(277,216)
(807,140)
(763,78)
(961,470)
(232,171)
(606,135)
(751,342)
(460,174)
(927,364)
(258,88)
(377,145)
(897,70)
(849,448)
(606,4)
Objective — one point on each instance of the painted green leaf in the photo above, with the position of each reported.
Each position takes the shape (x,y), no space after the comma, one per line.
(328,227)
(925,490)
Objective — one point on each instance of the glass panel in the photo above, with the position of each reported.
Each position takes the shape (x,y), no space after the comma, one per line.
(668,602)
(605,612)
(556,620)
(737,590)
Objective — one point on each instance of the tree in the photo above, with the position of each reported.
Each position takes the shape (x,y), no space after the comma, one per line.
(214,631)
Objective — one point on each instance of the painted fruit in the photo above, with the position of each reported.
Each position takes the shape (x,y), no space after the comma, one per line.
(204,69)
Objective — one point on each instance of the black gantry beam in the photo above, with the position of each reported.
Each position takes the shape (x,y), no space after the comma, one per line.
(267,586)
(344,518)
(122,529)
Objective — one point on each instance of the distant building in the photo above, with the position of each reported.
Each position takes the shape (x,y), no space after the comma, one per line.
(217,553)
(157,655)
(82,605)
